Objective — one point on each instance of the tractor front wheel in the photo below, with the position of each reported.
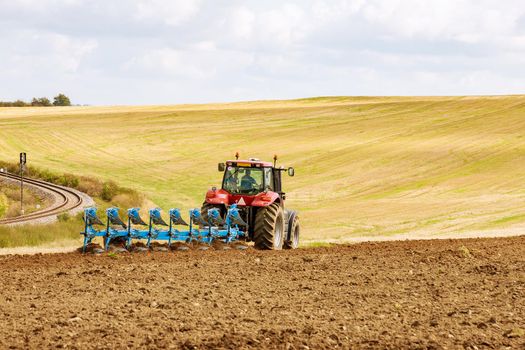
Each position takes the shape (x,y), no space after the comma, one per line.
(269,227)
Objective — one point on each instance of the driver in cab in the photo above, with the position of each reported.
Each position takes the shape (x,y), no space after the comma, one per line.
(248,183)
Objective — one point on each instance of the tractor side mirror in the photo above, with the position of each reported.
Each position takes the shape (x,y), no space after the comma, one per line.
(291,171)
(221,166)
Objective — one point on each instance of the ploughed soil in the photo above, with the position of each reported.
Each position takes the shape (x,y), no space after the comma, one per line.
(411,294)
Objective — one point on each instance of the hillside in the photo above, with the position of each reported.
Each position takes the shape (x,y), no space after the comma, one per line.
(416,166)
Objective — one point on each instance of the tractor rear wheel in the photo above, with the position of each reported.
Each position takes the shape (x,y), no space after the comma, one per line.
(206,206)
(292,230)
(269,227)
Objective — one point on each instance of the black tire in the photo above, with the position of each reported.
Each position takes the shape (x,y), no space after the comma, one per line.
(269,230)
(206,206)
(292,230)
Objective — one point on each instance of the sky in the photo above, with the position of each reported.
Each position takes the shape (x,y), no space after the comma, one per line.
(133,52)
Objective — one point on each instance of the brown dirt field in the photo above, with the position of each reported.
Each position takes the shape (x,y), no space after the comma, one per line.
(411,294)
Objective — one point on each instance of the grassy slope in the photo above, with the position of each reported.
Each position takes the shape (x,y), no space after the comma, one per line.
(364,166)
(10,200)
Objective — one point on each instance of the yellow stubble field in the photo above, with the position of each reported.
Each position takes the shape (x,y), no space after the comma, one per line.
(365,166)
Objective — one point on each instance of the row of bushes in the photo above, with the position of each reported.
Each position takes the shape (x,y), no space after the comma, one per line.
(58,100)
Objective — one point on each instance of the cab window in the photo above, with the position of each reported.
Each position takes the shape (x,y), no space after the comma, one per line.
(243,180)
(268,178)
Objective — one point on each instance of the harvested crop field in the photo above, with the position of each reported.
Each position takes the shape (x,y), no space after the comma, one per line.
(410,294)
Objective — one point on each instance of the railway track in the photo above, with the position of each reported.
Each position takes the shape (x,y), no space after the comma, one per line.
(65,199)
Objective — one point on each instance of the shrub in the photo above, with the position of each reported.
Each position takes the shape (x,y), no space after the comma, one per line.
(41,102)
(68,180)
(127,200)
(90,186)
(61,100)
(63,217)
(109,190)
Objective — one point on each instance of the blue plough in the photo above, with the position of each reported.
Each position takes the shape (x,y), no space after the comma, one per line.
(215,228)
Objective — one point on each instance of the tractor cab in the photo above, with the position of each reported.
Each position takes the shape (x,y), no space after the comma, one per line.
(249,183)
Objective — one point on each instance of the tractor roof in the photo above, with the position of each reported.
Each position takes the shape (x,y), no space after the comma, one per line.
(249,163)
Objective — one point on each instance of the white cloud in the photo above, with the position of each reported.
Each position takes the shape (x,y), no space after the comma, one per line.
(278,27)
(168,62)
(69,52)
(40,51)
(171,12)
(285,26)
(242,23)
(328,11)
(463,20)
(37,5)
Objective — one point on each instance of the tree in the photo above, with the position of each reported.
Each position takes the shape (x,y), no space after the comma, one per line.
(42,101)
(61,100)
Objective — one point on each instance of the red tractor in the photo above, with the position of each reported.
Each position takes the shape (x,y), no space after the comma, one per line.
(255,186)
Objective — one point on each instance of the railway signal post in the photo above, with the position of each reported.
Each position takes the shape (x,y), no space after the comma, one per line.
(23,160)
